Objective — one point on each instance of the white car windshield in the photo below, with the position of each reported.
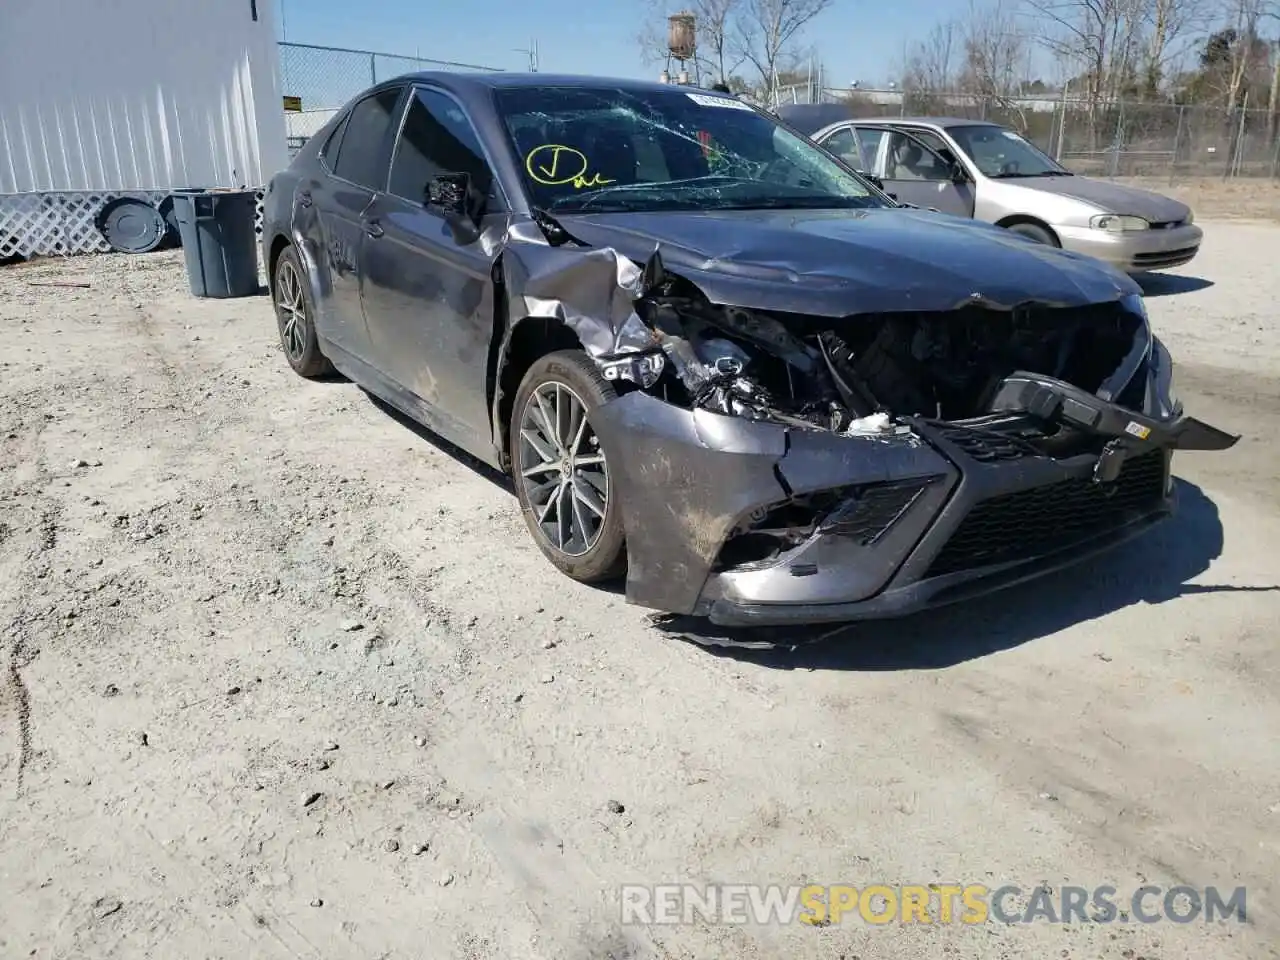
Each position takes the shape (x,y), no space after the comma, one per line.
(1004,155)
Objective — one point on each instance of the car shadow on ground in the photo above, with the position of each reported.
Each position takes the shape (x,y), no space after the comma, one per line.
(496,477)
(1153,569)
(1168,284)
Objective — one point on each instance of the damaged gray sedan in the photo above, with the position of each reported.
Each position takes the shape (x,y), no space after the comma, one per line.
(714,357)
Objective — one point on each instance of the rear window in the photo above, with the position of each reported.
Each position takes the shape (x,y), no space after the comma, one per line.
(329,152)
(363,152)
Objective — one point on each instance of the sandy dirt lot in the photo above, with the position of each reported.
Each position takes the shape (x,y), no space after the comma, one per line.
(280,677)
(1239,198)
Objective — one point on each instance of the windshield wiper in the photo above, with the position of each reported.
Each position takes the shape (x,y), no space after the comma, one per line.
(585,199)
(806,202)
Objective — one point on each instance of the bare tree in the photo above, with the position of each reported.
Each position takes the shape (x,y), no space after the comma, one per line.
(1245,15)
(1170,25)
(717,54)
(995,52)
(716,22)
(1098,36)
(766,31)
(928,69)
(930,63)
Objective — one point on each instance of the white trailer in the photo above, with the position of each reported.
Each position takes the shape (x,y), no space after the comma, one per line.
(106,99)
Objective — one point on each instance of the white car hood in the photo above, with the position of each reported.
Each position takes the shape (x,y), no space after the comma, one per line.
(1109,197)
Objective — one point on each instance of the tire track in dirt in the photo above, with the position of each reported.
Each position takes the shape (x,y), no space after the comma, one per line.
(18,650)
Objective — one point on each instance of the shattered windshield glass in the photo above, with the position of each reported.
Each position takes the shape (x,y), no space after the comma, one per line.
(1003,154)
(604,149)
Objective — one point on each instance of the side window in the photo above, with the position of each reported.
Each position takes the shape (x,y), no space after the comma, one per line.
(362,154)
(909,160)
(931,139)
(437,138)
(869,140)
(329,152)
(845,146)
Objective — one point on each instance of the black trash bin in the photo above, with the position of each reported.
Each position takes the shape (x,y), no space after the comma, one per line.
(218,241)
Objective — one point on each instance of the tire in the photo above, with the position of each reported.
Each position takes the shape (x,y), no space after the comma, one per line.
(1034,232)
(291,298)
(594,549)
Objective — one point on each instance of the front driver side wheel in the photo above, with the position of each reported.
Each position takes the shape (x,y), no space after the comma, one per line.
(1034,232)
(561,471)
(295,316)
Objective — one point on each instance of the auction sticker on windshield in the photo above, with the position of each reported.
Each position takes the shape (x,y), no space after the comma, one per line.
(705,101)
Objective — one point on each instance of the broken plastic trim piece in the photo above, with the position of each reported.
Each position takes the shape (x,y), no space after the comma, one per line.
(552,229)
(1193,434)
(644,369)
(873,509)
(1056,400)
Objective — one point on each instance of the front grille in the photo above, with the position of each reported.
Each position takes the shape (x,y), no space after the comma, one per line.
(987,446)
(1164,258)
(1030,523)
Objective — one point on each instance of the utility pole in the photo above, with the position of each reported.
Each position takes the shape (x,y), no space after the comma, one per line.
(531,52)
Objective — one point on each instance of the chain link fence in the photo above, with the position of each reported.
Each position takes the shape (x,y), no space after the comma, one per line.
(1166,141)
(324,78)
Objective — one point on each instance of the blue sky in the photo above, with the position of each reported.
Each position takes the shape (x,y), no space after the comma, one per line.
(854,41)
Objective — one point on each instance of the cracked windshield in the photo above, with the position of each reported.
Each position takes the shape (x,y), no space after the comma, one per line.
(607,150)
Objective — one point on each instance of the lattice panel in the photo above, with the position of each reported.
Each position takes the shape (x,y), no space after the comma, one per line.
(44,224)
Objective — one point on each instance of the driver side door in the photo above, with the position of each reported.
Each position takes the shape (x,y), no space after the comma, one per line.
(844,144)
(916,173)
(428,294)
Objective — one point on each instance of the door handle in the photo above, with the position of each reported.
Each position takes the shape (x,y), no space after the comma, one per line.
(373,228)
(304,198)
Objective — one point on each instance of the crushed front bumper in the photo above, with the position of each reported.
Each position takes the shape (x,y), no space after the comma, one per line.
(936,515)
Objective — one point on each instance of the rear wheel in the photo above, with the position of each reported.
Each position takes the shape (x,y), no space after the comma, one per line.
(1034,232)
(295,315)
(561,470)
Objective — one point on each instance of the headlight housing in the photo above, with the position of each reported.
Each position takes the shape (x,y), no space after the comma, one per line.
(1118,223)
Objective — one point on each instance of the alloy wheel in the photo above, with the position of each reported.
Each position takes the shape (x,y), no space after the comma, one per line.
(291,309)
(562,468)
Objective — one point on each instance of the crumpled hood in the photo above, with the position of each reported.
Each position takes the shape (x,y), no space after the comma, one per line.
(837,263)
(1110,197)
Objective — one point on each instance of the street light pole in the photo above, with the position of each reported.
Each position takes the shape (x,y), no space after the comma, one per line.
(532,53)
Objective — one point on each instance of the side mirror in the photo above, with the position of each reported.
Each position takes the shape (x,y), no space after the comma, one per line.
(959,174)
(450,193)
(876,181)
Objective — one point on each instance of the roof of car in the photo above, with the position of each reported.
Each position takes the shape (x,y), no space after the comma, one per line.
(927,121)
(813,118)
(503,79)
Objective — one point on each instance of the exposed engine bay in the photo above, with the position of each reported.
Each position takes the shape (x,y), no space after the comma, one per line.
(814,438)
(859,375)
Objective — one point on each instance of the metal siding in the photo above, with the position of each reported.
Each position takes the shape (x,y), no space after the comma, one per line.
(138,95)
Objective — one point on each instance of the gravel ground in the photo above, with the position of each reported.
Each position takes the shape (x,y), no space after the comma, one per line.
(280,677)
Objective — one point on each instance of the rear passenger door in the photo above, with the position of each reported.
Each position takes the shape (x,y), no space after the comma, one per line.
(355,168)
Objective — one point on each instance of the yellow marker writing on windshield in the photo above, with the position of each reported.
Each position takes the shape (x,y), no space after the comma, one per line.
(554,165)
